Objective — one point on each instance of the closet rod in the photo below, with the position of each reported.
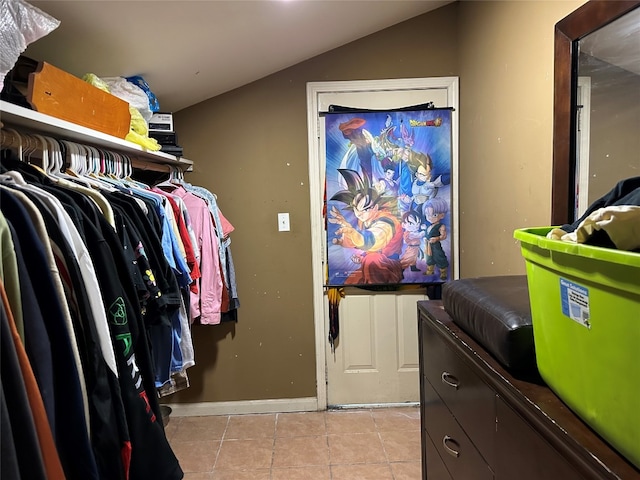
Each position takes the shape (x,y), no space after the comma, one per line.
(138,164)
(9,139)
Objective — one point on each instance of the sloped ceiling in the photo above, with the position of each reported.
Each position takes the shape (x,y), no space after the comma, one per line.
(617,43)
(189,51)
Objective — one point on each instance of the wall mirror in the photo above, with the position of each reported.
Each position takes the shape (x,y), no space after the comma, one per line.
(596,130)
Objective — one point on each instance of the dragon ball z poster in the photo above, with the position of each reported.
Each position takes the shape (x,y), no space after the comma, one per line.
(388,215)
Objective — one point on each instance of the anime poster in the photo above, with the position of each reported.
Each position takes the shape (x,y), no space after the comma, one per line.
(388,212)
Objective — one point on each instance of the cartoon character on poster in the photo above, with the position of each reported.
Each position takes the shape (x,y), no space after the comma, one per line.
(382,168)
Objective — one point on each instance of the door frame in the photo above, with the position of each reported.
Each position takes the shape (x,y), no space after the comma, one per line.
(314,90)
(583,126)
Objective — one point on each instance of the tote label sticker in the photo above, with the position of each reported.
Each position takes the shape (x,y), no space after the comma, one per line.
(575,302)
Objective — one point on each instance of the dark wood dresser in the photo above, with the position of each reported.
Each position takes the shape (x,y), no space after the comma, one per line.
(480,422)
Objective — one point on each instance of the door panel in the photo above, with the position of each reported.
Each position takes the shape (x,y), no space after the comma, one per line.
(360,330)
(407,326)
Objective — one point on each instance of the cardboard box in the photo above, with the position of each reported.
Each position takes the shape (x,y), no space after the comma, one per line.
(585,308)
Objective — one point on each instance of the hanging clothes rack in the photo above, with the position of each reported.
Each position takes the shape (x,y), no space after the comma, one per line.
(106,232)
(95,281)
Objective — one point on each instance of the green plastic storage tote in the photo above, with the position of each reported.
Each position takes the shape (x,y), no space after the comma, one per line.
(585,308)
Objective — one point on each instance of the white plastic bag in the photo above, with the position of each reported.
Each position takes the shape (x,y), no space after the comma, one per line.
(129,92)
(20,25)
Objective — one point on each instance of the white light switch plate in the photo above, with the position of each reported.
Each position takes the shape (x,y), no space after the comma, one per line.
(283,222)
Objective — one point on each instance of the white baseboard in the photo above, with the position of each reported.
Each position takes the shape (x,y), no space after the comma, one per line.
(358,406)
(282,405)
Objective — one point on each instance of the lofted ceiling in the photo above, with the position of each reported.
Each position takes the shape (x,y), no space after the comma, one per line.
(189,51)
(617,43)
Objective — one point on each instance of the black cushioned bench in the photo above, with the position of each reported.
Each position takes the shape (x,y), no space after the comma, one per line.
(495,311)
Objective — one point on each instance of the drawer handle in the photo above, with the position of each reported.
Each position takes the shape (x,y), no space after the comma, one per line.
(450,380)
(450,451)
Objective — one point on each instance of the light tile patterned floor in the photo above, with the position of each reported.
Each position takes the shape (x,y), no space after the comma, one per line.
(363,444)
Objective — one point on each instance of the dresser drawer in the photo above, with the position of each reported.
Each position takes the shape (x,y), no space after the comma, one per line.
(470,400)
(524,454)
(434,468)
(461,458)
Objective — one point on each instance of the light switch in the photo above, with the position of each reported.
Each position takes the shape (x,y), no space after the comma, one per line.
(283,222)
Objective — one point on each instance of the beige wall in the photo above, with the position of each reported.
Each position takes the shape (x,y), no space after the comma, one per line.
(250,148)
(506,121)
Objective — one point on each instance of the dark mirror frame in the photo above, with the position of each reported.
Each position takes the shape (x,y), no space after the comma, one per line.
(589,17)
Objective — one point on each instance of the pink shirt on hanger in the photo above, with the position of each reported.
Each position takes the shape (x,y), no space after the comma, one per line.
(205,304)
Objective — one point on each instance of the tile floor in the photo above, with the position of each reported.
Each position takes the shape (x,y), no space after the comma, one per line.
(363,444)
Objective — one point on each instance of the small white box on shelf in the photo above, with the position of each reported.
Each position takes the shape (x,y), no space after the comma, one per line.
(161,122)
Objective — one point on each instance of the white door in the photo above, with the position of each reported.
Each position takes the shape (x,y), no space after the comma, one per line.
(376,358)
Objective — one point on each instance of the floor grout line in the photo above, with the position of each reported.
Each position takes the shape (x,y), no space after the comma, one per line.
(224,433)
